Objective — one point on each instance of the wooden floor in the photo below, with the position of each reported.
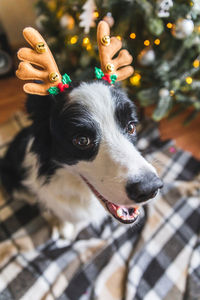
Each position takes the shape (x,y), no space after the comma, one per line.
(186,137)
(12,98)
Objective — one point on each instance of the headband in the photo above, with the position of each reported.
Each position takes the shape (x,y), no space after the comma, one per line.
(112,69)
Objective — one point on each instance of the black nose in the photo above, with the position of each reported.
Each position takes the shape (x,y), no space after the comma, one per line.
(144,189)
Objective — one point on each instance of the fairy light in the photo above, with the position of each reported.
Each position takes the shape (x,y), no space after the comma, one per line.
(86,41)
(198,28)
(169,25)
(171,92)
(52,5)
(157,42)
(132,35)
(135,79)
(188,80)
(96,14)
(146,42)
(196,63)
(71,22)
(59,13)
(74,39)
(119,37)
(89,47)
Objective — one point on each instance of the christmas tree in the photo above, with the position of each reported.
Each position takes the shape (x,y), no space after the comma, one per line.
(162,35)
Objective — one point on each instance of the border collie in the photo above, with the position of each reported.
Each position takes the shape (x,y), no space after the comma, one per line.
(78,158)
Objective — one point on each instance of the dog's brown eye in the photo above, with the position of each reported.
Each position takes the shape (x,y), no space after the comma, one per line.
(131,128)
(82,142)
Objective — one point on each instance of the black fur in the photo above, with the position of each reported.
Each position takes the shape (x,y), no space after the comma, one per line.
(125,112)
(55,124)
(74,121)
(11,170)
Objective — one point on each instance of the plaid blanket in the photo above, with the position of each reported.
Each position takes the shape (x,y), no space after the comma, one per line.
(160,259)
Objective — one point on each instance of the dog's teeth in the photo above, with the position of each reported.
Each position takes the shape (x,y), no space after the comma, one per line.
(119,212)
(137,212)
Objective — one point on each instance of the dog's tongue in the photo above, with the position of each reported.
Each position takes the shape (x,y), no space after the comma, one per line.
(122,212)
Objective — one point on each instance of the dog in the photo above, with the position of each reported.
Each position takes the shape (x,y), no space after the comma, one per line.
(79,159)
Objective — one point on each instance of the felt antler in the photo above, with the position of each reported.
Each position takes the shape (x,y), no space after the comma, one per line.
(40,56)
(108,47)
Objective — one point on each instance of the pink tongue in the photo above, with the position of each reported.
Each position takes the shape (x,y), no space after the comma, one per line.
(122,212)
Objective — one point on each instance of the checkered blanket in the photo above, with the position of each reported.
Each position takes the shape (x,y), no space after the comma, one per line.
(160,259)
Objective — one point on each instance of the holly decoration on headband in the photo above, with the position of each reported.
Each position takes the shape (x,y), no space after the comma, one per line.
(100,75)
(55,90)
(64,84)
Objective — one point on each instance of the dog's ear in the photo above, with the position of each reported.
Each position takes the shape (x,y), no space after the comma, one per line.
(39,109)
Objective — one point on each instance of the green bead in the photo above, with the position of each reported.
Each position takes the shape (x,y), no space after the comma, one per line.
(66,79)
(113,78)
(98,73)
(53,90)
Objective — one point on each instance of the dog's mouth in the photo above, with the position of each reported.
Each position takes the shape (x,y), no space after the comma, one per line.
(124,214)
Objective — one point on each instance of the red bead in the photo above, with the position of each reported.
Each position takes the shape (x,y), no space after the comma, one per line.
(62,86)
(106,77)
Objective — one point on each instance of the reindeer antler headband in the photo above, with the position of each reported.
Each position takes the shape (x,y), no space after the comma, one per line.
(112,70)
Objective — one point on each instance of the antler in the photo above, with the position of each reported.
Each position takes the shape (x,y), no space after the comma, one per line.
(41,56)
(108,47)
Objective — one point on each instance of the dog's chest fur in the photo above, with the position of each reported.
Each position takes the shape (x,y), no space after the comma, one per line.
(65,193)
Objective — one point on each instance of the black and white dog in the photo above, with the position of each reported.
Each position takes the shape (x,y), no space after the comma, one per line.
(78,158)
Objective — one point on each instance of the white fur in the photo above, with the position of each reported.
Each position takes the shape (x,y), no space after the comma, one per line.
(67,195)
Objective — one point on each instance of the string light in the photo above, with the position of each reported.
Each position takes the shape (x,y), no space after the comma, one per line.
(135,79)
(146,42)
(52,5)
(119,37)
(132,35)
(74,39)
(196,63)
(157,42)
(96,14)
(171,92)
(86,41)
(89,47)
(188,80)
(169,25)
(198,28)
(59,13)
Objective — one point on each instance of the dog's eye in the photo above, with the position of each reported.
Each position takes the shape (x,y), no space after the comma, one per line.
(131,128)
(82,142)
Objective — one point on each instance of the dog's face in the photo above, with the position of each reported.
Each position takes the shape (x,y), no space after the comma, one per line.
(93,132)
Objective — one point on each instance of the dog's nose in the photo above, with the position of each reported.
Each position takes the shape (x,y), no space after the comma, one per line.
(144,189)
